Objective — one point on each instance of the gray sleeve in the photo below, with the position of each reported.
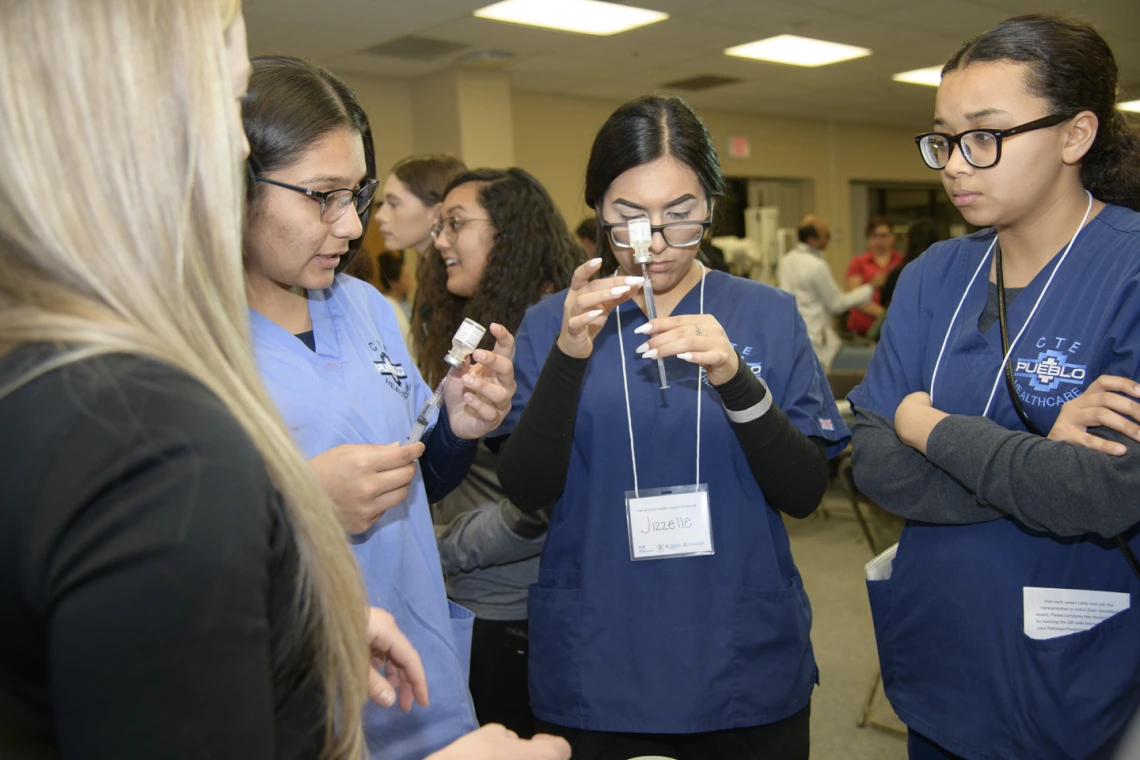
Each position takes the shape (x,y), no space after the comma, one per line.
(1058,487)
(483,538)
(904,482)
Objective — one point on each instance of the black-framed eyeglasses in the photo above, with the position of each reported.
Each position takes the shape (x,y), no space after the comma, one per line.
(451,226)
(335,202)
(980,147)
(676,234)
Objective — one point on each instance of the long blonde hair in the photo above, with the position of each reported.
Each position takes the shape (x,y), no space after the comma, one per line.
(120,232)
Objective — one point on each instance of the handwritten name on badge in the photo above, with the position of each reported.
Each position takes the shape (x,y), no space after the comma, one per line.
(669,524)
(664,526)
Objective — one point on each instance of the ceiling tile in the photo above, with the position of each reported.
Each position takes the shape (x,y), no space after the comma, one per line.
(486,34)
(388,67)
(905,34)
(1019,7)
(1120,19)
(764,18)
(948,18)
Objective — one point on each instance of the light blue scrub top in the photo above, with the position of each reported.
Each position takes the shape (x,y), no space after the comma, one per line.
(361,386)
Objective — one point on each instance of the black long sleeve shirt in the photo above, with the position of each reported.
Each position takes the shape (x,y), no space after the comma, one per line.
(790,467)
(147,575)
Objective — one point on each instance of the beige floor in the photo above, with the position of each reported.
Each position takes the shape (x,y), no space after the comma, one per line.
(830,552)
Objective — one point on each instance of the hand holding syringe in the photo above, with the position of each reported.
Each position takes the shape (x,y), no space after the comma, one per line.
(466,340)
(640,238)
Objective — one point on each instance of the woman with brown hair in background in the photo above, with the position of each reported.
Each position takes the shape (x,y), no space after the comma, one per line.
(409,206)
(503,247)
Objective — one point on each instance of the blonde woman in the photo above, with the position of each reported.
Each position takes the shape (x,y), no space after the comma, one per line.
(173,581)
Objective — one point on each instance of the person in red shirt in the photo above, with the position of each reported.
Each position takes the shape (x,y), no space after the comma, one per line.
(880,259)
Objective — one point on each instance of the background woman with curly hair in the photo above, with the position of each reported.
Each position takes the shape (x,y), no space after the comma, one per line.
(503,247)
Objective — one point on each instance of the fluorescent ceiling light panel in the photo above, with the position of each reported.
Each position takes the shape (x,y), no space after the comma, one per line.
(797,51)
(1131,105)
(581,16)
(931,77)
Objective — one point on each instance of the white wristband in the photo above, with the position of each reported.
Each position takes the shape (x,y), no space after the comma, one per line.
(756,411)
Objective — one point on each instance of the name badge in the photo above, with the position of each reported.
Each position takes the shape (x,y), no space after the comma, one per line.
(669,522)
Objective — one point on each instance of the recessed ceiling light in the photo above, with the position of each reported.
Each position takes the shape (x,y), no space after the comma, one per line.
(931,76)
(1131,105)
(797,51)
(582,16)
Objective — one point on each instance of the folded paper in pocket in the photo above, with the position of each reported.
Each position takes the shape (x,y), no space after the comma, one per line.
(879,569)
(1053,612)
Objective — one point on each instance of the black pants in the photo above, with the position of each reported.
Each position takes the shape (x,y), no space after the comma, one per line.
(788,739)
(499,651)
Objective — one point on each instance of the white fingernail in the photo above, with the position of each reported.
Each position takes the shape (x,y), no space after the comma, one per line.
(593,263)
(647,327)
(650,354)
(642,348)
(686,356)
(634,280)
(594,314)
(620,290)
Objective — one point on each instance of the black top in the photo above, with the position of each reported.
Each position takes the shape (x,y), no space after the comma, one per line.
(989,316)
(147,575)
(309,339)
(791,468)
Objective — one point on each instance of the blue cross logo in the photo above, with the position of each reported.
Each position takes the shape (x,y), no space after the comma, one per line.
(1049,370)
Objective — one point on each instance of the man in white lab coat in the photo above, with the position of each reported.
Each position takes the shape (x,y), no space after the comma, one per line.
(804,273)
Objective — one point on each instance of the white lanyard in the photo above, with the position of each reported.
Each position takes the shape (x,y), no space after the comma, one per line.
(625,385)
(1005,360)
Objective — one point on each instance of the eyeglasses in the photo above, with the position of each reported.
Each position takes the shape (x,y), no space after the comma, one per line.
(676,234)
(980,147)
(451,226)
(335,202)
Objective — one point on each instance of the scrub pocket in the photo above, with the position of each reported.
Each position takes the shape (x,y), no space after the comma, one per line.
(462,627)
(1078,691)
(879,593)
(555,660)
(773,647)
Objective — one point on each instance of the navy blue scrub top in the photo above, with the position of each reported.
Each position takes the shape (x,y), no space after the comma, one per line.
(682,645)
(957,665)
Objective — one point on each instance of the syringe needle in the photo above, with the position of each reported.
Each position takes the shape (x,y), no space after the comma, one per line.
(424,417)
(651,312)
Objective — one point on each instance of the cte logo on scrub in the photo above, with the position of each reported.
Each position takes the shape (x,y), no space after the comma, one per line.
(393,373)
(1049,371)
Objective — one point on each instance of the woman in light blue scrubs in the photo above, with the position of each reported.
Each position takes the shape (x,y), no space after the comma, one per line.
(670,624)
(996,415)
(331,354)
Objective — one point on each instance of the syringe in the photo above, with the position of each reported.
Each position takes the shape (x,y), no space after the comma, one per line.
(640,238)
(466,340)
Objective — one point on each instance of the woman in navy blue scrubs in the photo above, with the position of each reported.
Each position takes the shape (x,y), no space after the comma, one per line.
(668,623)
(996,414)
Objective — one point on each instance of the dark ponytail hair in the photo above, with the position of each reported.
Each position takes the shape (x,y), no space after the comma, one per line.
(292,104)
(641,132)
(532,255)
(1073,68)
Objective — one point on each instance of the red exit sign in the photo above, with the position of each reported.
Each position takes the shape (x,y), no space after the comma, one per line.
(739,147)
